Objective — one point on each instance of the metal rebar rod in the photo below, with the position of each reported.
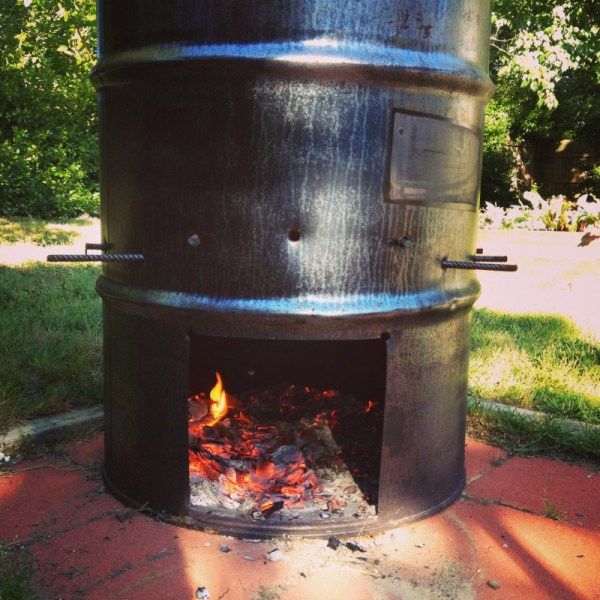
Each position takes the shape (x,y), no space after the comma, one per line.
(102,246)
(95,257)
(489,258)
(478,266)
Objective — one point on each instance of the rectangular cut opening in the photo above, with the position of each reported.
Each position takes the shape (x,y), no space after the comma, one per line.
(287,430)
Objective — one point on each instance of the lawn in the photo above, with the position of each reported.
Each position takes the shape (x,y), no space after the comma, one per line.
(50,325)
(16,570)
(542,362)
(50,331)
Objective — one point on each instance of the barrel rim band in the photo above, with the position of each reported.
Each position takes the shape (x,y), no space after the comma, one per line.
(213,319)
(349,61)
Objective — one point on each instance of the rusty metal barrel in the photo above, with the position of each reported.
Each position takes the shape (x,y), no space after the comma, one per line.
(299,170)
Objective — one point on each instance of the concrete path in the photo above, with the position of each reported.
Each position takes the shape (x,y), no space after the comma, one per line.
(86,544)
(556,275)
(21,252)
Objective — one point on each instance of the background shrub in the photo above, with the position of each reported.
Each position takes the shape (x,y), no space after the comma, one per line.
(48,142)
(545,63)
(499,172)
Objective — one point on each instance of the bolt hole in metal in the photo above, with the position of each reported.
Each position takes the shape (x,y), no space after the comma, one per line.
(293,235)
(194,240)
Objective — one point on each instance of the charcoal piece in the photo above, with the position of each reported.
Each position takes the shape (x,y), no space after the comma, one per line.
(318,443)
(355,547)
(278,505)
(286,454)
(238,465)
(210,432)
(333,543)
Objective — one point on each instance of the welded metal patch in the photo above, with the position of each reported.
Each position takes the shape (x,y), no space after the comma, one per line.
(432,159)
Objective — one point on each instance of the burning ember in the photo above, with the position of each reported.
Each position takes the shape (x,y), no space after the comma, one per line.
(269,449)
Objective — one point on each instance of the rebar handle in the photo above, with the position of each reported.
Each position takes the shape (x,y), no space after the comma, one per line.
(476,266)
(103,246)
(488,258)
(95,257)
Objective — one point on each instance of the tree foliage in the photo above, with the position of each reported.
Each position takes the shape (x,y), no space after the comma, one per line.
(545,62)
(48,146)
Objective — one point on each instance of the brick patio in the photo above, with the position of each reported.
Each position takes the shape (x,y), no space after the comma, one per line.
(86,544)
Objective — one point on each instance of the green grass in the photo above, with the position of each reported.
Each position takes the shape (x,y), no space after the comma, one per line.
(551,511)
(16,571)
(38,232)
(267,593)
(539,362)
(50,335)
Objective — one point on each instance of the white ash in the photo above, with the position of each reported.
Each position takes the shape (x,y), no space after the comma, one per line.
(274,555)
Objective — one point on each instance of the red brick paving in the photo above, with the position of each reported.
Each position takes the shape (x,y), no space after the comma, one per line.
(88,453)
(537,484)
(59,511)
(481,458)
(531,556)
(38,501)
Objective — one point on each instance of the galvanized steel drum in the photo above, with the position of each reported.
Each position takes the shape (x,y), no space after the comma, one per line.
(290,169)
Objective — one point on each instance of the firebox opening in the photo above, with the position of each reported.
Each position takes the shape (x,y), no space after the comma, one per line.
(286,430)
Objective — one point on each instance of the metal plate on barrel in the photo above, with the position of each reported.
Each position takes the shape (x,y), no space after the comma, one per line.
(432,159)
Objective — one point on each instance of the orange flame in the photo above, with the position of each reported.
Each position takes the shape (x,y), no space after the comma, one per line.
(218,396)
(272,485)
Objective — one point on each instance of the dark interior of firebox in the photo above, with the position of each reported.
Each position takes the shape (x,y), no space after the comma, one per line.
(295,431)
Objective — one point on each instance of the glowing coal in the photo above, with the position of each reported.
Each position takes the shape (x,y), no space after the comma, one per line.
(271,449)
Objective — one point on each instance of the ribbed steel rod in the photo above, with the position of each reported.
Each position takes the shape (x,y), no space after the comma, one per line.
(489,258)
(464,264)
(102,246)
(95,257)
